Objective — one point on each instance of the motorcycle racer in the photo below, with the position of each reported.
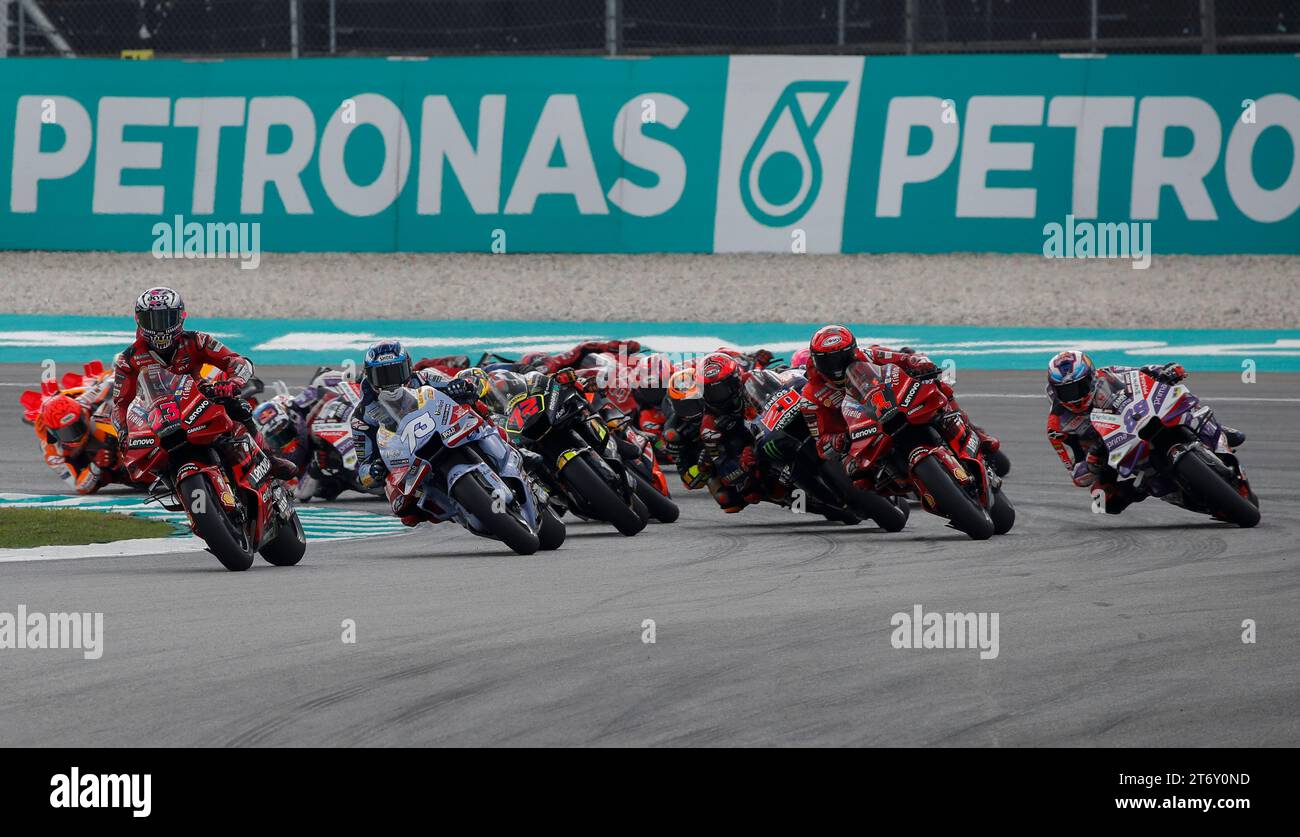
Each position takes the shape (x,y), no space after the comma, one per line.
(737,477)
(162,340)
(77,441)
(387,369)
(833,348)
(1075,387)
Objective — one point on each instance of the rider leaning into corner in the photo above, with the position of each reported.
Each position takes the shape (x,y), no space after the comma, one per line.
(1076,387)
(833,349)
(75,447)
(387,370)
(161,340)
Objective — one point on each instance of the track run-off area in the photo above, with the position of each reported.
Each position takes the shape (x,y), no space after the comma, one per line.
(769,627)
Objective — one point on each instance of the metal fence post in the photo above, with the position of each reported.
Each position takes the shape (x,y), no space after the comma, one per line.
(22,30)
(841,22)
(613,27)
(333,27)
(4,28)
(293,28)
(909,25)
(1092,24)
(1209,33)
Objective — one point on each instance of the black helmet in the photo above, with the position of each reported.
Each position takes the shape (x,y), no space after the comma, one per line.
(159,317)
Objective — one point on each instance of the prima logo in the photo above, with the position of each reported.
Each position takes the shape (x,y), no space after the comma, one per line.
(781,175)
(110,790)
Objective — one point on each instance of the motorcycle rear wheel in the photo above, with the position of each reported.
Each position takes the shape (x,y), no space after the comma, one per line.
(954,503)
(552,532)
(1214,492)
(225,539)
(1003,514)
(289,544)
(660,507)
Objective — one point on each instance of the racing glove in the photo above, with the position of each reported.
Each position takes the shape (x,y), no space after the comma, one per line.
(918,366)
(1170,373)
(833,445)
(459,389)
(106,458)
(747,458)
(229,388)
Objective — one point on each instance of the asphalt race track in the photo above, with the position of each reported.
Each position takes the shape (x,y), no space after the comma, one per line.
(771,628)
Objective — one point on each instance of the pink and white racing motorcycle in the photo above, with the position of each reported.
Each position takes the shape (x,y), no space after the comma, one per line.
(1162,441)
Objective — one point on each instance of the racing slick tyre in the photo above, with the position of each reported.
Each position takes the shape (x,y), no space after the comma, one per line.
(1003,514)
(289,544)
(552,532)
(659,507)
(1000,461)
(952,502)
(601,498)
(868,504)
(1213,491)
(225,538)
(476,497)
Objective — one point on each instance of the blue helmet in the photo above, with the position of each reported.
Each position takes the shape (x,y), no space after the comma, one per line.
(1069,377)
(387,365)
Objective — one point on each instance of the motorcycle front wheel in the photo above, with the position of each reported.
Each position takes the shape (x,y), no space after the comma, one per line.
(225,538)
(476,498)
(952,502)
(601,498)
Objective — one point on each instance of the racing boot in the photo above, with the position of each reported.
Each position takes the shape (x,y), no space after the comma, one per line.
(281,468)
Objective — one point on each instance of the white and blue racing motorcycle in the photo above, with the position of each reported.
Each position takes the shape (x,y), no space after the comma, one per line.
(445,459)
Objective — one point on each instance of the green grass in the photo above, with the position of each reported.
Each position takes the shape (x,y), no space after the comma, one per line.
(57,527)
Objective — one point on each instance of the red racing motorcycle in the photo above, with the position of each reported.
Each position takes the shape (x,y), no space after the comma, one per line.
(907,440)
(204,463)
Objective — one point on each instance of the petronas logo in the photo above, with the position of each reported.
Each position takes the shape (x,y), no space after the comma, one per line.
(782,172)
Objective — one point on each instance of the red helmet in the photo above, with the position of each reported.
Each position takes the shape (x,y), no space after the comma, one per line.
(833,348)
(650,379)
(720,383)
(65,421)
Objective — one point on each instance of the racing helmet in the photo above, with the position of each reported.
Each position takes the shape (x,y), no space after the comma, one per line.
(1070,380)
(800,358)
(478,379)
(684,394)
(833,348)
(719,378)
(650,379)
(66,421)
(387,365)
(159,317)
(278,426)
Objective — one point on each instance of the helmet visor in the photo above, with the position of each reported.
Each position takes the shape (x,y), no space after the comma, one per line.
(71,433)
(650,396)
(687,408)
(389,375)
(723,394)
(280,434)
(833,364)
(1074,391)
(158,320)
